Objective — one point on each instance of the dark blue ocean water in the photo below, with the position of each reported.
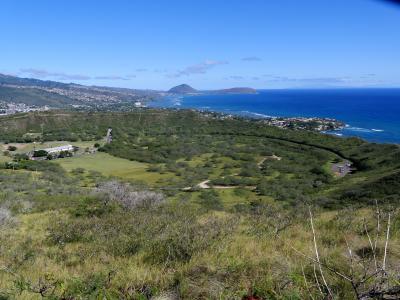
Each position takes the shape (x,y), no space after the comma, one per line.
(372,114)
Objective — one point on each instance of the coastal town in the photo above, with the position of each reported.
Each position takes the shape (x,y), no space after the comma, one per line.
(295,123)
(304,123)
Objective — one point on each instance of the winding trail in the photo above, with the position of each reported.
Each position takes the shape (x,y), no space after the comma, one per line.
(204,184)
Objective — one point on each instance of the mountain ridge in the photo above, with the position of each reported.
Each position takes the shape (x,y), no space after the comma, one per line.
(39,93)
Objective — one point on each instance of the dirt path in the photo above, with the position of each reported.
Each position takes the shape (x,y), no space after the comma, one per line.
(204,184)
(259,164)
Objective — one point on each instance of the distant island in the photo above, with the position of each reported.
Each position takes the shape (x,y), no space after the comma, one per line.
(236,90)
(184,89)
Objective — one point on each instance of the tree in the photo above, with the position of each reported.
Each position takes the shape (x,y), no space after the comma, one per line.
(40,153)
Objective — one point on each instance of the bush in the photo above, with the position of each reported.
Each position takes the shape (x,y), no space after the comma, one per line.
(91,207)
(20,157)
(185,237)
(210,200)
(40,153)
(69,230)
(11,148)
(127,196)
(264,187)
(154,168)
(5,216)
(78,171)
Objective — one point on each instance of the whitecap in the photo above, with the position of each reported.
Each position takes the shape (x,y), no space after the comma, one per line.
(358,129)
(256,114)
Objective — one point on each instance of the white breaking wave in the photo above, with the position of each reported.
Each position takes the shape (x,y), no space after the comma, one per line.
(360,129)
(256,114)
(332,133)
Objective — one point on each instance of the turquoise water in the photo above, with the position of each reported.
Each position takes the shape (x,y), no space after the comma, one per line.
(372,114)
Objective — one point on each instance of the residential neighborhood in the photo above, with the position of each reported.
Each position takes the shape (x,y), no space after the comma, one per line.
(13,108)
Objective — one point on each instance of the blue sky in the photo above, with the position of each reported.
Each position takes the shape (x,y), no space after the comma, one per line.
(207,44)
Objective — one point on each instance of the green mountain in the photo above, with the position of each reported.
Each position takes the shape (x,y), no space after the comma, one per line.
(35,92)
(182,89)
(33,96)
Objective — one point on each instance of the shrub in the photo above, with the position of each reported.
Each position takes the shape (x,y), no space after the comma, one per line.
(127,196)
(90,207)
(263,187)
(154,168)
(78,171)
(68,231)
(5,216)
(20,157)
(11,148)
(210,200)
(40,153)
(185,237)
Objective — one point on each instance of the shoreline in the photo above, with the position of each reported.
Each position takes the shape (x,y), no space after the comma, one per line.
(363,128)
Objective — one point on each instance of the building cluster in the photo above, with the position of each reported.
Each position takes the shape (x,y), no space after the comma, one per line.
(298,123)
(84,95)
(13,108)
(303,123)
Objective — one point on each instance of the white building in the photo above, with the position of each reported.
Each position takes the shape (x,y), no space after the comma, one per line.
(59,149)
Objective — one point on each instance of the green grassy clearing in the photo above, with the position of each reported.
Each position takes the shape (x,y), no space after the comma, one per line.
(109,165)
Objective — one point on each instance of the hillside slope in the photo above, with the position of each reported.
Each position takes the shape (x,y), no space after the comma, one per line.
(35,97)
(35,92)
(159,136)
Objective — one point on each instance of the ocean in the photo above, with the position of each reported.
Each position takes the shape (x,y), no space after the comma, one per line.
(372,114)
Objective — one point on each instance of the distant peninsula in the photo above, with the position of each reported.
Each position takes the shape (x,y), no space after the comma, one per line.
(236,90)
(184,89)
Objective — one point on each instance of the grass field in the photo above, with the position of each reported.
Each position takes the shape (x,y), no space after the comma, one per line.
(112,166)
(4,158)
